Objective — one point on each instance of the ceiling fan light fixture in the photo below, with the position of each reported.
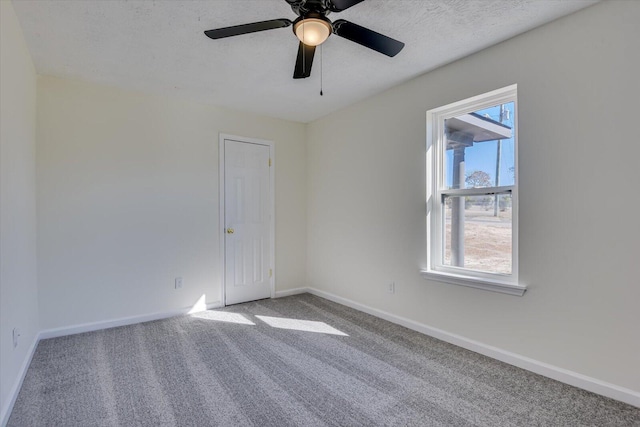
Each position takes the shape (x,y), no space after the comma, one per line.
(312,31)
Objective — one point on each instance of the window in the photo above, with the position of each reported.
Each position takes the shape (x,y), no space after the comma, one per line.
(472,192)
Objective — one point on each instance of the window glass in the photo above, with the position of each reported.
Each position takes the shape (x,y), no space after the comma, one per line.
(483,239)
(488,159)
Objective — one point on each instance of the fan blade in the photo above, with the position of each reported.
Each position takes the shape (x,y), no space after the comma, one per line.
(237,30)
(367,37)
(304,61)
(340,5)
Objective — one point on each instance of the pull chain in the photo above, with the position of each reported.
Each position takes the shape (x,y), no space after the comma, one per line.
(321,61)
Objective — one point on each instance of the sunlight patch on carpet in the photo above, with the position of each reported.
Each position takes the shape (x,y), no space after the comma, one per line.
(300,325)
(223,316)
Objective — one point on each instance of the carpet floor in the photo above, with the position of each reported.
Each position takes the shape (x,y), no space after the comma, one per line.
(295,361)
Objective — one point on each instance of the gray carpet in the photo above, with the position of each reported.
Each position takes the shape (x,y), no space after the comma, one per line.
(352,369)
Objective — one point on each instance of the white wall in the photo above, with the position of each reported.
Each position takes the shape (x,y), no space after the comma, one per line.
(128,200)
(18,280)
(579,150)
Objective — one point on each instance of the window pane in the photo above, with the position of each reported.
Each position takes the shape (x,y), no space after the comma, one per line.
(477,233)
(480,148)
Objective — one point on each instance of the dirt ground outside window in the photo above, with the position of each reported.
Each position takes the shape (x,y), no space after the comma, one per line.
(487,240)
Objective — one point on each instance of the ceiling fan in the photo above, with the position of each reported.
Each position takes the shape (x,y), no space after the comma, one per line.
(312,27)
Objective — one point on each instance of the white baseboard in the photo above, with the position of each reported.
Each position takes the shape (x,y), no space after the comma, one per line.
(559,374)
(289,292)
(13,393)
(96,326)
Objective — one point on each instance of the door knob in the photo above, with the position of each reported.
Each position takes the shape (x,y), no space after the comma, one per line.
(230,230)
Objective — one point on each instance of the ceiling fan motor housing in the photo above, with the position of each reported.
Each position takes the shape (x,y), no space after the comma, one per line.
(304,7)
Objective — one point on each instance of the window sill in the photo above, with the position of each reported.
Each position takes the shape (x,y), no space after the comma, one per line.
(473,282)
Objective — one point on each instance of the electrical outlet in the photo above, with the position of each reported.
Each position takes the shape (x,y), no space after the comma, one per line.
(16,335)
(391,288)
(178,282)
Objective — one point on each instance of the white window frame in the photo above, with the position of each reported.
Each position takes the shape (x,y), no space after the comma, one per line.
(436,146)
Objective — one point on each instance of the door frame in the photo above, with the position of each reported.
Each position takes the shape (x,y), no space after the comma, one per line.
(272,209)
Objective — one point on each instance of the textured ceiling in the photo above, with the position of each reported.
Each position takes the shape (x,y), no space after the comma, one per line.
(159,47)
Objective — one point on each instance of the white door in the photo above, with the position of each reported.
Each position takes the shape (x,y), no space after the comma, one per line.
(247,221)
